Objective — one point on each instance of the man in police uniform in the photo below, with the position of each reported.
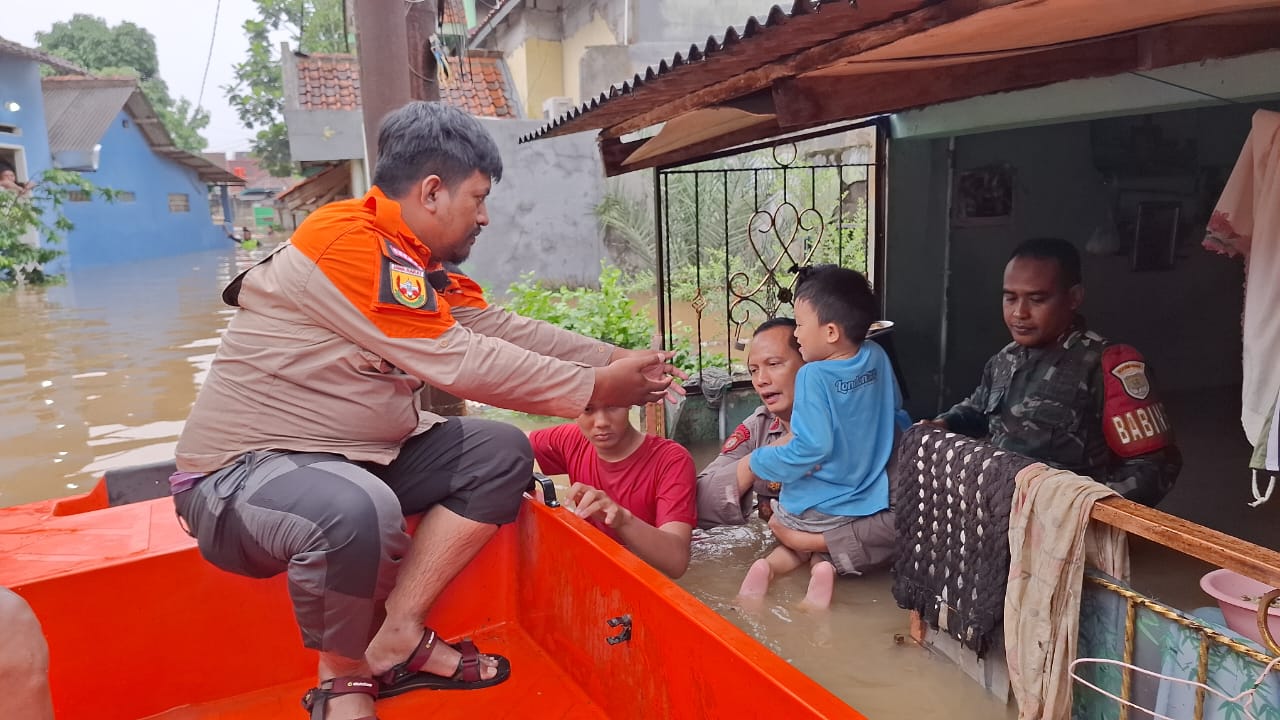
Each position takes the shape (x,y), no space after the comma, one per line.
(725,492)
(1064,395)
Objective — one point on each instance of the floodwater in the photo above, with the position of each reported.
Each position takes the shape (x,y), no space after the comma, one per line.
(101,372)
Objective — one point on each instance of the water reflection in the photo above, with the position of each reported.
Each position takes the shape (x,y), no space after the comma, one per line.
(101,372)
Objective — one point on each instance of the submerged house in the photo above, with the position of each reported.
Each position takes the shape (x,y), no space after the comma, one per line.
(1113,125)
(106,129)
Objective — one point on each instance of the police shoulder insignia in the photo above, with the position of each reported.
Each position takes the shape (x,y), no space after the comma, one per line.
(739,436)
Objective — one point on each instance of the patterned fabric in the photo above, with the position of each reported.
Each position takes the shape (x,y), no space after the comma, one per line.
(952,499)
(1051,539)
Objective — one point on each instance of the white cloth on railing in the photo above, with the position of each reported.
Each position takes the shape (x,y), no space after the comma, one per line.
(1050,541)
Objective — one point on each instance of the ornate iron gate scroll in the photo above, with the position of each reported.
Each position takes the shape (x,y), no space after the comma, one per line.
(731,231)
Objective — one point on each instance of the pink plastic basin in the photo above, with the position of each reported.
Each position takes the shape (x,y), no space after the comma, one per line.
(1231,589)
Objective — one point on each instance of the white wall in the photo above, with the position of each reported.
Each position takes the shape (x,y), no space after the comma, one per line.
(541,215)
(1187,320)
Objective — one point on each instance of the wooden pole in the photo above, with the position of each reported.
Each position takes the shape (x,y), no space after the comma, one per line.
(382,49)
(396,65)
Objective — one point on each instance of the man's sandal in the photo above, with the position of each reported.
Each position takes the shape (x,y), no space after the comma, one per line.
(315,699)
(409,674)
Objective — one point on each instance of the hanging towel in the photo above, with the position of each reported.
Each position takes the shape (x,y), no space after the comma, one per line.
(951,502)
(1246,222)
(1050,542)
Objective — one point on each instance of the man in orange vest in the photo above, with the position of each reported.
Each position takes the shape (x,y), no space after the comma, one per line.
(307,444)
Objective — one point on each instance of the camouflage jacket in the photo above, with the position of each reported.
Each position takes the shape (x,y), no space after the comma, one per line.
(1048,404)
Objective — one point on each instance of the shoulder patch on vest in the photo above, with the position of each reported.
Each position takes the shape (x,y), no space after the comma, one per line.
(1134,420)
(405,285)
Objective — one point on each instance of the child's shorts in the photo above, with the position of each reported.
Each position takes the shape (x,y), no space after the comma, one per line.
(855,545)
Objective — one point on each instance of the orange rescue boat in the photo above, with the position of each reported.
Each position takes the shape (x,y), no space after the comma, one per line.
(139,626)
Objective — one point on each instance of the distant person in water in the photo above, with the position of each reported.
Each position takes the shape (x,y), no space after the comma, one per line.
(833,509)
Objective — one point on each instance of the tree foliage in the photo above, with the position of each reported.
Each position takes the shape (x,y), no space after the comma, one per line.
(127,50)
(26,219)
(312,26)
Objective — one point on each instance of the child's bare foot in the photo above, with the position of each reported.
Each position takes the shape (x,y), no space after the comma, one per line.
(822,584)
(757,581)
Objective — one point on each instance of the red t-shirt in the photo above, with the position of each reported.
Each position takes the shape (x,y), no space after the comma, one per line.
(656,482)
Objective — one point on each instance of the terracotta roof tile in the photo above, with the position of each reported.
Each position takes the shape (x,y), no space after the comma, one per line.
(477,84)
(453,12)
(318,86)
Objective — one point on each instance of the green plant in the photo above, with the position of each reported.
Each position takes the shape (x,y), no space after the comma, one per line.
(607,314)
(313,26)
(27,219)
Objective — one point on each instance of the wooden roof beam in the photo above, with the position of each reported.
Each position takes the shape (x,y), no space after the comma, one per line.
(808,101)
(614,151)
(818,56)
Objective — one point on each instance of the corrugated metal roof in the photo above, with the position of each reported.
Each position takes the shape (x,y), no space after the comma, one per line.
(816,22)
(8,47)
(79,110)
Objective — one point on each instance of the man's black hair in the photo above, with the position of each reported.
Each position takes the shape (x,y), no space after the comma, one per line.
(1056,249)
(841,296)
(6,165)
(431,138)
(780,322)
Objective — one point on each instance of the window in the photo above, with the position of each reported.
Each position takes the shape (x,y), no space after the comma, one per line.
(179,203)
(77,196)
(126,196)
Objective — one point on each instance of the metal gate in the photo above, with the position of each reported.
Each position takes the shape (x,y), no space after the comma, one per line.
(732,230)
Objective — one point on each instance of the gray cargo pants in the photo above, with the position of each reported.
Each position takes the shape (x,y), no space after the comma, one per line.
(337,527)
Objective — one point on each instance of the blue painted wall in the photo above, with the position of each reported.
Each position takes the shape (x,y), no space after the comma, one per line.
(144,228)
(20,83)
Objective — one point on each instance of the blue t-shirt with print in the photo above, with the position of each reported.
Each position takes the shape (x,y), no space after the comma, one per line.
(843,422)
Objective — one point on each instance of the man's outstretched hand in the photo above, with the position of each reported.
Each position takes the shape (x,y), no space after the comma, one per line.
(637,377)
(594,504)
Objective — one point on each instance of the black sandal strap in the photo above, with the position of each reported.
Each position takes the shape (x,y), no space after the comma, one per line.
(315,699)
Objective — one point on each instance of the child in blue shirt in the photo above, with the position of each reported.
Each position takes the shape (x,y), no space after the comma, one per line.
(833,508)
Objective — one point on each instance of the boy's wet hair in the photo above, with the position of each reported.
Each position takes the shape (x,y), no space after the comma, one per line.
(782,322)
(838,295)
(1057,250)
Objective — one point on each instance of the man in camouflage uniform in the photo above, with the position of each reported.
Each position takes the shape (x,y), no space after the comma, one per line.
(1064,395)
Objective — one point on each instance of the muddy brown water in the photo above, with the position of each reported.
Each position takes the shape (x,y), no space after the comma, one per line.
(100,373)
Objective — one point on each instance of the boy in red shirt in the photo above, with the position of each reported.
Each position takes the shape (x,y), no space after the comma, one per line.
(637,488)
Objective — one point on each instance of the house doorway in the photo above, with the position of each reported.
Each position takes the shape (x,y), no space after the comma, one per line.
(1100,183)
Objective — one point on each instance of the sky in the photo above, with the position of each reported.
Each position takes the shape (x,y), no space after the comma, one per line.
(182,29)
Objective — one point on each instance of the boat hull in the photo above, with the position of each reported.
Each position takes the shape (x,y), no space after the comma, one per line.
(140,626)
